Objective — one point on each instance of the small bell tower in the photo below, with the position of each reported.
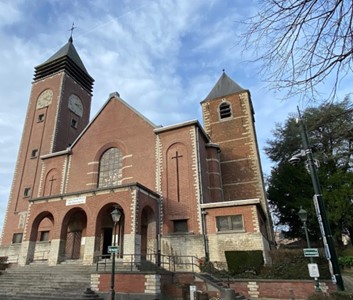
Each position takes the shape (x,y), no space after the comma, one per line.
(228,118)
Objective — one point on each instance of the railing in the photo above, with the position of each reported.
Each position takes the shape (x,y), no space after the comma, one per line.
(12,258)
(149,262)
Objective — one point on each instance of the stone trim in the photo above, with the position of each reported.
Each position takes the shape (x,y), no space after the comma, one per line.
(255,219)
(231,203)
(253,289)
(66,180)
(153,284)
(134,210)
(41,180)
(95,281)
(195,168)
(240,183)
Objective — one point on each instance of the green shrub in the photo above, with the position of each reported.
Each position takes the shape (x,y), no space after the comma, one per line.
(319,296)
(347,251)
(345,261)
(244,261)
(291,264)
(286,264)
(341,296)
(332,296)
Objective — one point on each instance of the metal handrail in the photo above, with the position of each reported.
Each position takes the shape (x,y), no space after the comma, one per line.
(172,263)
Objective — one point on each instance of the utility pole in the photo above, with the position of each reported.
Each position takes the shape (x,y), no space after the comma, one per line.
(321,211)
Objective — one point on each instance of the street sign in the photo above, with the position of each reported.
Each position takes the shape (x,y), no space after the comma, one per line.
(313,270)
(311,252)
(113,249)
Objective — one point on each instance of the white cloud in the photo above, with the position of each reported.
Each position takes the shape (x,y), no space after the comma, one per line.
(163,57)
(9,13)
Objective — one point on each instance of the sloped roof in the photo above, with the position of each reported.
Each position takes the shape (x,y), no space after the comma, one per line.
(224,86)
(66,59)
(67,50)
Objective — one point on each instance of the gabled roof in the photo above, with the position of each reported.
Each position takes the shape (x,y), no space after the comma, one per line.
(66,59)
(112,97)
(224,86)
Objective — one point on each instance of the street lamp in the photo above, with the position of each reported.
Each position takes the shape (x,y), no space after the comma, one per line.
(325,229)
(303,216)
(116,214)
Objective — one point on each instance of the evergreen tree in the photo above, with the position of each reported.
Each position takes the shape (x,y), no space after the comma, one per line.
(330,131)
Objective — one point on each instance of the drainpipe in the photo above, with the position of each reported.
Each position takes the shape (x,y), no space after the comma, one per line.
(202,211)
(159,233)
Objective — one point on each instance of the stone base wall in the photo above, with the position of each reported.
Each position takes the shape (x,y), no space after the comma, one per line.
(175,252)
(12,252)
(221,242)
(174,245)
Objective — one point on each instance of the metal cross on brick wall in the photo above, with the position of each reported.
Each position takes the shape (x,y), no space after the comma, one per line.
(51,184)
(176,157)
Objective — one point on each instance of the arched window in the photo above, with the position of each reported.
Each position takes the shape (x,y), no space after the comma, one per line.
(225,110)
(110,168)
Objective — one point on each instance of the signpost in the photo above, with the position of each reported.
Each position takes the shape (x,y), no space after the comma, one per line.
(113,249)
(311,252)
(313,270)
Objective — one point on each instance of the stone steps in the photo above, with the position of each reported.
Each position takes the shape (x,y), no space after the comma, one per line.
(220,285)
(42,282)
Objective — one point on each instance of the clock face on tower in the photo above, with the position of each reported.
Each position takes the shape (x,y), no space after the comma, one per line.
(45,98)
(75,105)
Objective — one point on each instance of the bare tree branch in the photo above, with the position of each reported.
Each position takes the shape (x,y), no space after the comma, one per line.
(301,43)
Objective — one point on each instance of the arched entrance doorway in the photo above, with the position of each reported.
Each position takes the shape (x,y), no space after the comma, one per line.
(105,230)
(148,232)
(41,234)
(76,221)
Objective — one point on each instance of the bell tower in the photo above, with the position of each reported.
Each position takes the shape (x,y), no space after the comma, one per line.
(58,111)
(228,117)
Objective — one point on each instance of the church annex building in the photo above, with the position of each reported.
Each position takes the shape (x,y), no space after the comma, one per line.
(182,190)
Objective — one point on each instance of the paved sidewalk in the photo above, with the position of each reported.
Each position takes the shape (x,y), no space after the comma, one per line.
(348,282)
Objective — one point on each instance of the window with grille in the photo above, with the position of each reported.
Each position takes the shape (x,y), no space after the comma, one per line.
(40,118)
(44,236)
(17,238)
(34,153)
(74,123)
(180,226)
(27,192)
(110,168)
(230,223)
(225,110)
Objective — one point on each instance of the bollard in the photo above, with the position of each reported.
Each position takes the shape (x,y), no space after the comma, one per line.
(89,294)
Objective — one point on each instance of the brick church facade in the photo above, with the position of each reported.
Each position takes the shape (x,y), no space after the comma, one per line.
(182,190)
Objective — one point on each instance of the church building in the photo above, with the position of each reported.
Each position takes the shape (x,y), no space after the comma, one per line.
(181,190)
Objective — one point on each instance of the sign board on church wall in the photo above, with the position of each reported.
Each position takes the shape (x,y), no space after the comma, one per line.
(76,201)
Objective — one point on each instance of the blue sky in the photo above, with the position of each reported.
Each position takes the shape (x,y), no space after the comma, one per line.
(162,56)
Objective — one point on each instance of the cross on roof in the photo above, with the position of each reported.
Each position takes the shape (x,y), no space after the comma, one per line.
(72,30)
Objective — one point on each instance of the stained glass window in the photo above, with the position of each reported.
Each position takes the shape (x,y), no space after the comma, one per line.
(110,168)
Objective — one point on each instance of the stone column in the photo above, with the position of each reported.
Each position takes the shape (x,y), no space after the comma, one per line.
(88,255)
(26,253)
(132,245)
(54,254)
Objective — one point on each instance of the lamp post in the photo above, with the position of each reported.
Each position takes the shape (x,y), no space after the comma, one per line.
(116,214)
(319,206)
(303,216)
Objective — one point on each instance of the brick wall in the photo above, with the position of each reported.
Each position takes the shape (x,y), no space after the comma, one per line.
(177,286)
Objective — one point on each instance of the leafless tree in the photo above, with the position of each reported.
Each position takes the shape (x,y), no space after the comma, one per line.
(302,43)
